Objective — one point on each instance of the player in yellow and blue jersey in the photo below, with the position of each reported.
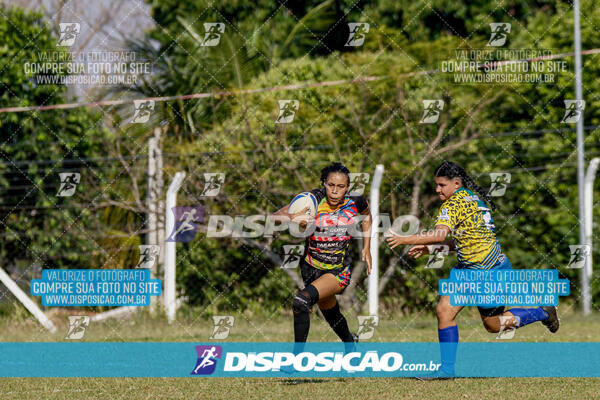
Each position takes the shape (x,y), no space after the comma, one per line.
(465,217)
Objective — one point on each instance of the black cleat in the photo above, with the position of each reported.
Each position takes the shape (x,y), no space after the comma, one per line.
(552,322)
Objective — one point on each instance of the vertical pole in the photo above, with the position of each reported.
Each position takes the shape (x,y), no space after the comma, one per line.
(373,282)
(589,214)
(169,280)
(160,217)
(151,237)
(153,194)
(585,283)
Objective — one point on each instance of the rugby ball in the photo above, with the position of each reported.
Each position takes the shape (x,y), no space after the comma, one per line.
(301,201)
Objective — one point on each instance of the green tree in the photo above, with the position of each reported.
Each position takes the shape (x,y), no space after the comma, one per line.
(37,226)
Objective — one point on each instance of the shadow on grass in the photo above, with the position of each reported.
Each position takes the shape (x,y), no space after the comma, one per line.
(298,381)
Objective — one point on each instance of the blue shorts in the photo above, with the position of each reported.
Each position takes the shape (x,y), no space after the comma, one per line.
(501,263)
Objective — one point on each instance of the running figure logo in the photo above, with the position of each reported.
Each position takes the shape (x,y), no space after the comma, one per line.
(68,33)
(358,182)
(500,31)
(185,228)
(579,252)
(148,255)
(437,254)
(431,111)
(68,183)
(573,109)
(366,326)
(212,33)
(213,181)
(507,332)
(207,359)
(358,33)
(77,326)
(143,110)
(222,324)
(500,181)
(287,111)
(291,255)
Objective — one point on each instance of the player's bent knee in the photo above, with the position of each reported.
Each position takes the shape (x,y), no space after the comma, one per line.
(301,303)
(305,299)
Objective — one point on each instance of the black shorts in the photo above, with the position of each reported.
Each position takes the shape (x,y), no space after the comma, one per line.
(310,274)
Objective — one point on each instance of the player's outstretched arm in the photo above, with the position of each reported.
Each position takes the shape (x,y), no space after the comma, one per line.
(283,210)
(438,235)
(418,250)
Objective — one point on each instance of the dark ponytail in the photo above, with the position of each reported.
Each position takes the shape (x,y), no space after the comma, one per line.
(335,167)
(451,170)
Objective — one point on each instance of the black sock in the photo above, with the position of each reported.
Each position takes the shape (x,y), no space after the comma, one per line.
(301,307)
(338,322)
(301,326)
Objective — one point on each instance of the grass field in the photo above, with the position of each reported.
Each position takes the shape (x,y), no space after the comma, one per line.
(312,389)
(143,327)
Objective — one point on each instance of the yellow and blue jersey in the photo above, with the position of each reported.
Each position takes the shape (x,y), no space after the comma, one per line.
(472,227)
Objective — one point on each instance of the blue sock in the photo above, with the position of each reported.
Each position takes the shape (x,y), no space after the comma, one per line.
(529,315)
(448,346)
